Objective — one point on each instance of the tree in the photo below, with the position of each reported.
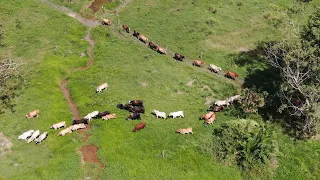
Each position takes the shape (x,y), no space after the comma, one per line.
(297,58)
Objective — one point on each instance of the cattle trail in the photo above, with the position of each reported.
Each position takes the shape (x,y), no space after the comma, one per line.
(89,152)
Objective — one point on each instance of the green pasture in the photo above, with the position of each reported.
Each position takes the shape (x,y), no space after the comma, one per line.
(50,43)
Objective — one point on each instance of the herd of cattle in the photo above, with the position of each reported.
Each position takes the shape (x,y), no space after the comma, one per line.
(135,106)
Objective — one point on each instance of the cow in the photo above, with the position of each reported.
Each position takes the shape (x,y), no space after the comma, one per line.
(134,116)
(109,116)
(161,50)
(102,114)
(138,109)
(102,87)
(58,125)
(207,116)
(136,103)
(178,57)
(33,114)
(176,114)
(152,46)
(125,106)
(91,115)
(221,103)
(159,114)
(135,33)
(84,121)
(75,127)
(184,131)
(25,135)
(139,127)
(231,75)
(233,99)
(106,22)
(41,138)
(141,37)
(33,136)
(216,108)
(198,63)
(65,131)
(211,119)
(126,28)
(214,68)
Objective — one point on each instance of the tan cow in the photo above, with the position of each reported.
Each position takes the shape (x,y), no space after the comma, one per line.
(184,131)
(161,50)
(75,127)
(58,125)
(106,22)
(109,116)
(207,116)
(65,131)
(198,63)
(211,119)
(33,114)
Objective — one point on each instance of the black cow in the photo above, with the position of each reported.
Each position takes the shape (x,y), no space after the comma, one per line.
(125,106)
(136,103)
(178,57)
(102,114)
(83,120)
(134,116)
(137,109)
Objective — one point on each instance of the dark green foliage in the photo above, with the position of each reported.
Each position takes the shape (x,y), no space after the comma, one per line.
(311,33)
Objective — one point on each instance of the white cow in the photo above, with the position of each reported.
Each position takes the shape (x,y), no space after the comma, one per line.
(25,135)
(58,125)
(233,98)
(65,131)
(221,103)
(34,136)
(102,87)
(214,68)
(159,114)
(75,127)
(176,114)
(42,137)
(91,115)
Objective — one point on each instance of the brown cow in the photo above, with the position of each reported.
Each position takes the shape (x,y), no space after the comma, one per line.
(231,75)
(207,116)
(109,116)
(161,50)
(152,46)
(106,22)
(33,114)
(178,57)
(211,119)
(139,127)
(126,28)
(198,63)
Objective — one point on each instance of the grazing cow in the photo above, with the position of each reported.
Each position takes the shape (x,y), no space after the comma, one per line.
(198,63)
(75,127)
(233,98)
(207,116)
(141,37)
(231,75)
(134,116)
(176,114)
(91,115)
(41,138)
(211,119)
(33,114)
(159,114)
(58,125)
(161,50)
(139,127)
(214,68)
(109,116)
(65,131)
(126,28)
(136,103)
(25,135)
(102,114)
(184,131)
(152,46)
(125,106)
(135,33)
(102,87)
(178,57)
(34,136)
(137,109)
(84,121)
(222,103)
(106,22)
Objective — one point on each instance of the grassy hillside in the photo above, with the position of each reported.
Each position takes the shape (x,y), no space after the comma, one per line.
(51,43)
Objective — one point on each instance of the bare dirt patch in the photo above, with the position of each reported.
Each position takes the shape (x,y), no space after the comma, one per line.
(89,154)
(190,83)
(96,5)
(72,106)
(5,144)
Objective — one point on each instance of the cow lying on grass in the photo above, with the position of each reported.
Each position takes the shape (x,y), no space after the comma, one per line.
(176,114)
(32,114)
(58,125)
(139,127)
(184,131)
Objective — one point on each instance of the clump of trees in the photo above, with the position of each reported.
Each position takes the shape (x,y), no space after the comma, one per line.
(297,58)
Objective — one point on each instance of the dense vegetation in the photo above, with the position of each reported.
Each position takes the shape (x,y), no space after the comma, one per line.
(226,33)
